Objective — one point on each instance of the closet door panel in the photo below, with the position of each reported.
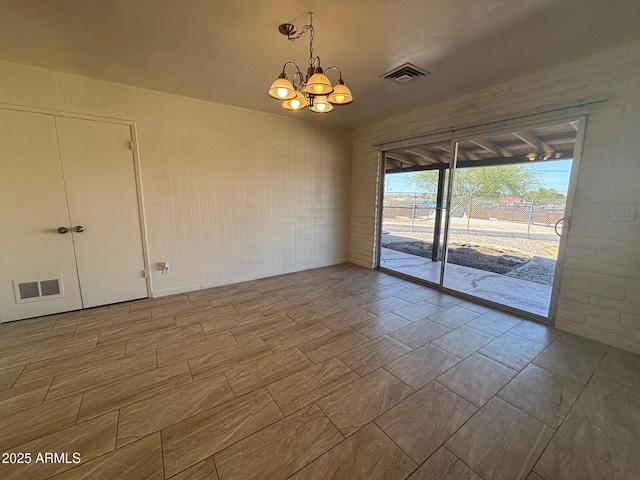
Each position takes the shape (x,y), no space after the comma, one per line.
(37,265)
(101,191)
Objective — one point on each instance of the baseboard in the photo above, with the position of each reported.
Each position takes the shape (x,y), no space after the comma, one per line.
(245,278)
(599,336)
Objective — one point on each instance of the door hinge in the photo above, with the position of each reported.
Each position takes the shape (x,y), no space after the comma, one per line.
(144,274)
(131,145)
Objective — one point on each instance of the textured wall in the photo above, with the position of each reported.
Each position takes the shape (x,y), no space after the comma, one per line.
(600,292)
(229,194)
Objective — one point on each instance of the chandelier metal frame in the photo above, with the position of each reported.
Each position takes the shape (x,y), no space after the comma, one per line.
(313,90)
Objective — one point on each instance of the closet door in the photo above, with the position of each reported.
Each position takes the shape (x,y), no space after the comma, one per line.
(37,265)
(99,175)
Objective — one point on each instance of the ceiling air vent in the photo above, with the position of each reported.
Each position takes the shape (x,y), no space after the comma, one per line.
(405,73)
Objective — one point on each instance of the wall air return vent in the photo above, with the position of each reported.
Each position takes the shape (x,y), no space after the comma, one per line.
(405,73)
(32,291)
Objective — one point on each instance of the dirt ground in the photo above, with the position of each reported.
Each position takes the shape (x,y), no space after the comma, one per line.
(483,257)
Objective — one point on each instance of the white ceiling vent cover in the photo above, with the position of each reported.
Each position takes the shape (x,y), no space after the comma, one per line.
(35,290)
(405,73)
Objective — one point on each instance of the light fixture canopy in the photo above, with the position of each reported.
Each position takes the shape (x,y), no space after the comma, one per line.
(313,89)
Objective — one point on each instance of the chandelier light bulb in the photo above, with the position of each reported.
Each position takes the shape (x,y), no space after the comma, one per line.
(341,94)
(313,90)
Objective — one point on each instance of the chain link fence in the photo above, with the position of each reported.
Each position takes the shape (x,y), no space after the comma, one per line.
(477,214)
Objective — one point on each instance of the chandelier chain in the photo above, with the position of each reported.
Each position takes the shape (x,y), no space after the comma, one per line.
(305,29)
(313,89)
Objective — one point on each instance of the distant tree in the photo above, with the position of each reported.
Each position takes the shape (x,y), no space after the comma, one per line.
(544,196)
(495,180)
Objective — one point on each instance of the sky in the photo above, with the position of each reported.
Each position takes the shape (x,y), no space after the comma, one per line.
(551,174)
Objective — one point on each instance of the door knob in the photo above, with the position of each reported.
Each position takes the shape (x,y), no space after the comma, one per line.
(78,229)
(62,230)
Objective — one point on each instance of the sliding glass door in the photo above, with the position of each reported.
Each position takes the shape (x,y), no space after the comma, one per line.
(481,216)
(414,210)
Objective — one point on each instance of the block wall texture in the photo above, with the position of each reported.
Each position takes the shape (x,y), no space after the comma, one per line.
(600,280)
(229,194)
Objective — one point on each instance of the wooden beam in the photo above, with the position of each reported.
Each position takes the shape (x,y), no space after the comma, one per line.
(461,153)
(533,141)
(428,155)
(394,164)
(403,157)
(565,155)
(492,147)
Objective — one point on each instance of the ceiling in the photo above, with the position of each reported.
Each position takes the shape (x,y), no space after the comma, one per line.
(231,51)
(552,142)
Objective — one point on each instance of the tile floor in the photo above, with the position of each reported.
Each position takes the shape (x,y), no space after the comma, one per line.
(333,373)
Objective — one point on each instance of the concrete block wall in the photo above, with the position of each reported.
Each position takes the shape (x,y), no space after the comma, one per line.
(600,289)
(229,194)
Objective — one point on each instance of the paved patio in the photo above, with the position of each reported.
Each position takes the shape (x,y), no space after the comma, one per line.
(513,292)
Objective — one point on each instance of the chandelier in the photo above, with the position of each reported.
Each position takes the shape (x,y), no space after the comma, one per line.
(313,90)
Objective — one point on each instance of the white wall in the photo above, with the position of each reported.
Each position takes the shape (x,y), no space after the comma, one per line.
(600,294)
(229,194)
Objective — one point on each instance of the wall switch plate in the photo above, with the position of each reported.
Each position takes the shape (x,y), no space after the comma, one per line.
(623,212)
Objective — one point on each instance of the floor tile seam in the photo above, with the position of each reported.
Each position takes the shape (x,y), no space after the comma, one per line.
(379,427)
(234,397)
(15,343)
(56,355)
(230,389)
(328,418)
(18,377)
(587,349)
(164,472)
(460,460)
(103,329)
(601,427)
(243,438)
(452,433)
(126,338)
(596,374)
(545,345)
(498,361)
(555,430)
(115,440)
(53,376)
(564,417)
(390,361)
(131,402)
(126,376)
(461,395)
(323,396)
(13,446)
(593,373)
(115,449)
(265,386)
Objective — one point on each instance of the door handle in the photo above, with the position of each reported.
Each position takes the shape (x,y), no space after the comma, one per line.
(555,227)
(78,229)
(62,230)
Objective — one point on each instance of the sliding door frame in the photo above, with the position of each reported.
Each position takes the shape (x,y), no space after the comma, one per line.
(488,129)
